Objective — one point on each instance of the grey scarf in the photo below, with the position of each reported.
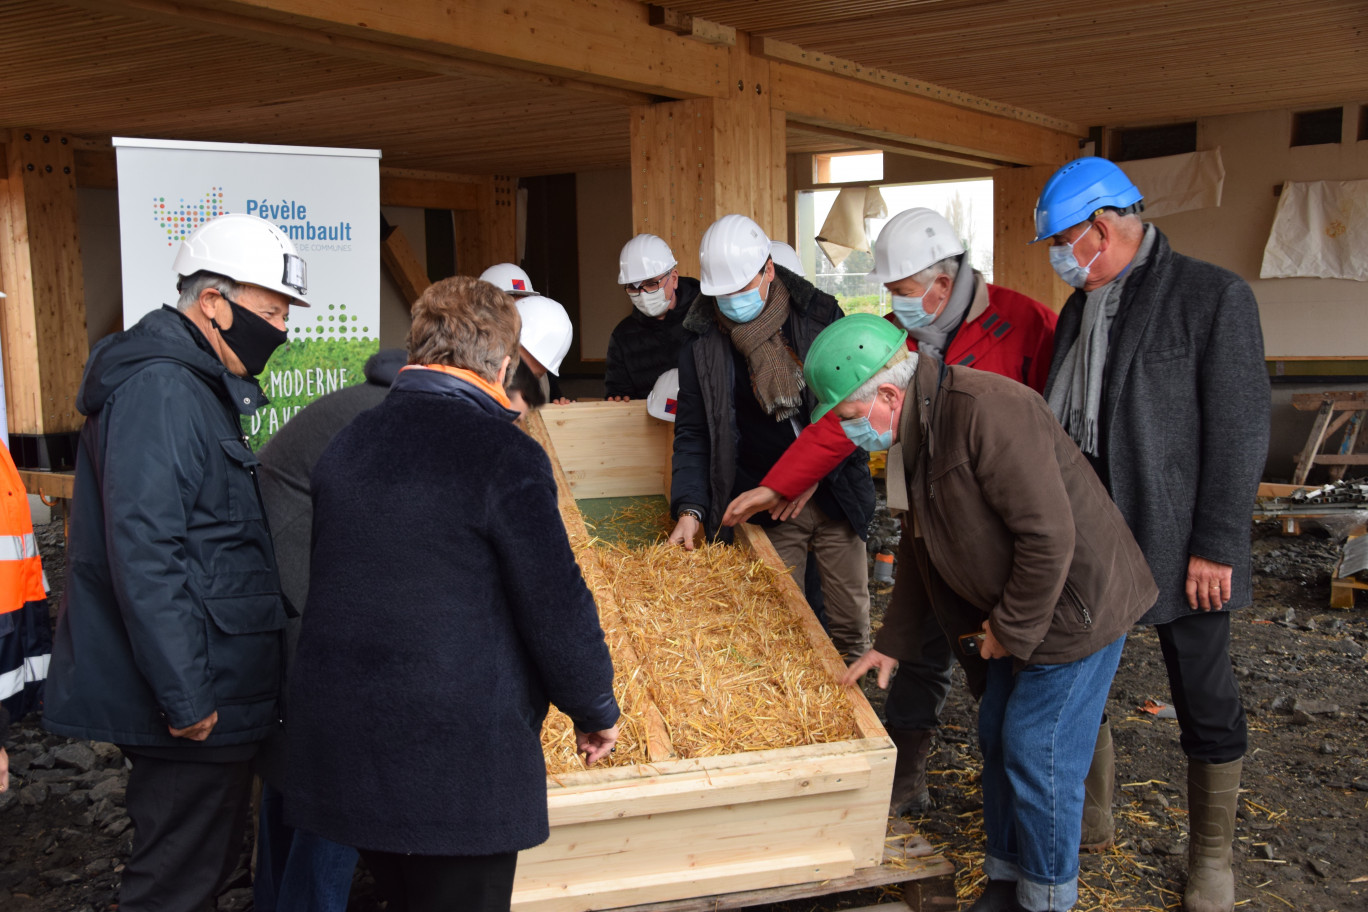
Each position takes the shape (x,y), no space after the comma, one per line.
(931,338)
(1076,398)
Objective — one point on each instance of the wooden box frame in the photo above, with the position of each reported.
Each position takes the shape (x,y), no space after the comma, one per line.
(673,829)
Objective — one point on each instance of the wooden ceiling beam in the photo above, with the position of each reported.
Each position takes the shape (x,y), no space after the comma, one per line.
(605,43)
(284,34)
(852,139)
(823,99)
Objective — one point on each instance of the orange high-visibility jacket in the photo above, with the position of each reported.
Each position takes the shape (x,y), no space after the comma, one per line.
(21,569)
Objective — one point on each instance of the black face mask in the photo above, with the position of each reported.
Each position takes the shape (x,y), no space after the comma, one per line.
(251,338)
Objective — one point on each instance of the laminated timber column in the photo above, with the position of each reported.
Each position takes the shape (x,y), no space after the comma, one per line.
(1015,265)
(696,160)
(43,324)
(488,233)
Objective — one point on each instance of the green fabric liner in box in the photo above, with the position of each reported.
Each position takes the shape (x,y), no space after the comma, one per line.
(632,522)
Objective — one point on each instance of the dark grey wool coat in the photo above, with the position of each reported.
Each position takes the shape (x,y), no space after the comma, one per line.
(1183,429)
(445,609)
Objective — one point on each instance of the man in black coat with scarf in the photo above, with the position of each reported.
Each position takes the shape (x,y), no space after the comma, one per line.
(1158,375)
(742,401)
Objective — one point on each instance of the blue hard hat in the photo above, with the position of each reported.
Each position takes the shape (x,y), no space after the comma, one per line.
(1075,192)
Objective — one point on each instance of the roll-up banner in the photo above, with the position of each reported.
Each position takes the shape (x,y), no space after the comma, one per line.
(326,200)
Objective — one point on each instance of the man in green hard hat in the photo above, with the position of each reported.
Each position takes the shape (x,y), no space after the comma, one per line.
(1025,563)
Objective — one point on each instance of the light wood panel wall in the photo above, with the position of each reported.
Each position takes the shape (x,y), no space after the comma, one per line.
(1015,265)
(697,160)
(40,271)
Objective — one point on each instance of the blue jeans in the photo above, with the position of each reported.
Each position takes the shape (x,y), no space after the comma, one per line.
(296,870)
(1037,730)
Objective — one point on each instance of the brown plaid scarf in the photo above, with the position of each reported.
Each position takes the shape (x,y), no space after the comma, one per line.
(776,373)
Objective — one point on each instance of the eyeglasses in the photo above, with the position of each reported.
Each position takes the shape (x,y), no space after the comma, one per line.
(649,284)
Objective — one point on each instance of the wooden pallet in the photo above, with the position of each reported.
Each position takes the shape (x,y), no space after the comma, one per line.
(679,829)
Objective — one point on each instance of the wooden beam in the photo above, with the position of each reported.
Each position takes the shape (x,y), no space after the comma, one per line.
(40,271)
(868,141)
(1015,265)
(399,260)
(791,53)
(487,233)
(428,193)
(584,41)
(258,25)
(672,20)
(824,99)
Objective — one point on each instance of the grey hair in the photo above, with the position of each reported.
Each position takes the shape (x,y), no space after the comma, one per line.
(949,266)
(1128,224)
(898,372)
(191,287)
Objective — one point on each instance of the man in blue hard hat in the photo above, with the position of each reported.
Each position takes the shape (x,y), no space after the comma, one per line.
(1158,374)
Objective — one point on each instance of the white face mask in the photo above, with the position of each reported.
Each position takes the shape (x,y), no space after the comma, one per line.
(651,303)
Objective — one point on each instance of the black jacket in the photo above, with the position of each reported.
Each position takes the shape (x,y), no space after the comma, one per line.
(642,348)
(287,460)
(1183,427)
(445,609)
(172,607)
(706,438)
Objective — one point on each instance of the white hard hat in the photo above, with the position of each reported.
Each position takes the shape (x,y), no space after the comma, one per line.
(913,240)
(248,250)
(644,257)
(546,331)
(786,256)
(510,278)
(733,251)
(664,395)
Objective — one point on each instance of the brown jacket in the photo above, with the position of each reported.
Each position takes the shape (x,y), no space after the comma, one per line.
(1012,525)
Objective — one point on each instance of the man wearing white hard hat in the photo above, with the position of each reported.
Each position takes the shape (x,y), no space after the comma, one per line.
(510,277)
(647,342)
(742,402)
(171,635)
(545,340)
(951,313)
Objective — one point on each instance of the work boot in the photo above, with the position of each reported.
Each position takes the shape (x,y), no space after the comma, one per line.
(998,896)
(1099,827)
(1213,794)
(910,795)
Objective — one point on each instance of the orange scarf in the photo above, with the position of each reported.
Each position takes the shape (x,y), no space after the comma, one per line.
(495,392)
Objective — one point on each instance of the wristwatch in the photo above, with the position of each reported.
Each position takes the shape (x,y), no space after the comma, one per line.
(690,511)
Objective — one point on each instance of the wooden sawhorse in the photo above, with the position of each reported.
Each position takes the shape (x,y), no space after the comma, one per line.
(1334,410)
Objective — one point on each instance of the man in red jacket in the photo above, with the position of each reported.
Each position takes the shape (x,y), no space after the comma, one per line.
(951,313)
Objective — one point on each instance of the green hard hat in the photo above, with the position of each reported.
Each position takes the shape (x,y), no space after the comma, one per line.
(846,354)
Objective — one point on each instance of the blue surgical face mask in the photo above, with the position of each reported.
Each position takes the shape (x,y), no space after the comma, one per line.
(911,313)
(743,307)
(1066,264)
(861,433)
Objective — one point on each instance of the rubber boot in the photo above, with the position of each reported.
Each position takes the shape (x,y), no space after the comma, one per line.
(910,795)
(1099,827)
(1213,794)
(998,896)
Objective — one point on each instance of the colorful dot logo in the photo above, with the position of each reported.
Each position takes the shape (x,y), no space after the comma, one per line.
(179,219)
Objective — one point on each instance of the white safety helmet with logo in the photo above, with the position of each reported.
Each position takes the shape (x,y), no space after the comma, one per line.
(546,331)
(510,278)
(664,396)
(248,250)
(733,251)
(913,240)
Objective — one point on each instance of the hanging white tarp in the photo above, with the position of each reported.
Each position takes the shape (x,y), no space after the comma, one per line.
(1320,230)
(1177,183)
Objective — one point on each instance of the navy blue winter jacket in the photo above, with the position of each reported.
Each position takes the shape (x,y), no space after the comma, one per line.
(445,609)
(172,609)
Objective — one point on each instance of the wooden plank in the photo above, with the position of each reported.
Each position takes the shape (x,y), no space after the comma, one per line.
(1016,265)
(754,538)
(1268,489)
(52,485)
(747,874)
(1349,399)
(427,194)
(825,99)
(41,268)
(1307,457)
(400,261)
(582,40)
(668,794)
(792,53)
(594,470)
(899,147)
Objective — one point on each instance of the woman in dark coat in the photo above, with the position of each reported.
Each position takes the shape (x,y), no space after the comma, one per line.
(445,609)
